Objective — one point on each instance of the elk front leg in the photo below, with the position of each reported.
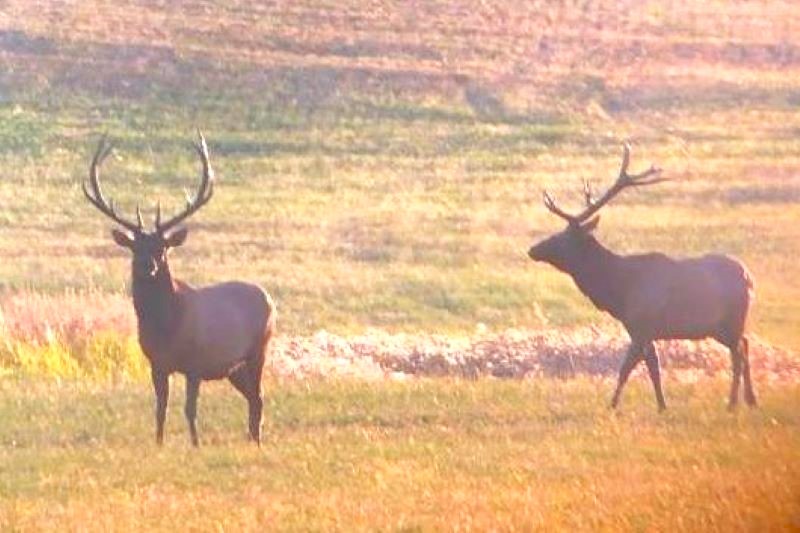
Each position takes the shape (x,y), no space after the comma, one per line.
(192,391)
(632,358)
(161,386)
(654,369)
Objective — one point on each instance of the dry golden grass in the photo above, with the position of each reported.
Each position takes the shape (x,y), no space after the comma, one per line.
(380,173)
(80,335)
(429,454)
(393,155)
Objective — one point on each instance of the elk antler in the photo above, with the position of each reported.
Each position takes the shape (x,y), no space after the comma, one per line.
(204,192)
(96,197)
(648,177)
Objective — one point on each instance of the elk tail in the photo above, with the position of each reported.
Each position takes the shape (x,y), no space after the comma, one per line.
(751,284)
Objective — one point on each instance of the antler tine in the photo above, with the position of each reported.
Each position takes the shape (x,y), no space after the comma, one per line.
(103,149)
(587,193)
(96,197)
(624,180)
(204,192)
(648,177)
(642,177)
(550,204)
(626,159)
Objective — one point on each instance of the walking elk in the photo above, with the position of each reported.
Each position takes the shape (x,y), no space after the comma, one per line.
(204,333)
(654,296)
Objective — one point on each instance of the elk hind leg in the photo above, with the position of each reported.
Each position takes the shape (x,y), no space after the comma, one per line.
(255,366)
(736,364)
(749,395)
(242,380)
(190,410)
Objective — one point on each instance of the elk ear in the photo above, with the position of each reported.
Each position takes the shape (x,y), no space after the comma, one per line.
(122,238)
(591,224)
(177,237)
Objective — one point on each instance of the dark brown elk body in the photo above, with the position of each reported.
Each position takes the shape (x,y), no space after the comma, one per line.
(206,333)
(654,296)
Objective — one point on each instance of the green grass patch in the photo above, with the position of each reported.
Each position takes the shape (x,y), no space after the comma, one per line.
(371,180)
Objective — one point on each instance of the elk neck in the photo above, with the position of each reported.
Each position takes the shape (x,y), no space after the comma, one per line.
(156,303)
(600,275)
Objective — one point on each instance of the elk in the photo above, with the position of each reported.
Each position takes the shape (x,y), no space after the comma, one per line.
(654,296)
(205,333)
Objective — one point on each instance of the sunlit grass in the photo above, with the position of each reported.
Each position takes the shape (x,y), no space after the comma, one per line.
(406,243)
(380,171)
(427,454)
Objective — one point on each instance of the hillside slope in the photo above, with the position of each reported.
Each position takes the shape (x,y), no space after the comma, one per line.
(381,164)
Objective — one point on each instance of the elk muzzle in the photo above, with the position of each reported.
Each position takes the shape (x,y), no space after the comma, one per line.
(145,267)
(537,252)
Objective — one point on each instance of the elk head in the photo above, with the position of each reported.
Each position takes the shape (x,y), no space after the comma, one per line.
(149,248)
(566,250)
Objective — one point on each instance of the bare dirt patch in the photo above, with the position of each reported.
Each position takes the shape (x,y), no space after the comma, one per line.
(73,318)
(515,354)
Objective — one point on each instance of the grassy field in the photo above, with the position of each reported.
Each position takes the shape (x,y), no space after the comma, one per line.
(383,167)
(380,170)
(418,455)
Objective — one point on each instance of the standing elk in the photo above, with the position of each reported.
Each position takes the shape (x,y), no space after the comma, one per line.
(204,333)
(654,296)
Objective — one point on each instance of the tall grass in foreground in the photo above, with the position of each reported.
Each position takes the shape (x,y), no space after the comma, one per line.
(74,335)
(417,455)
